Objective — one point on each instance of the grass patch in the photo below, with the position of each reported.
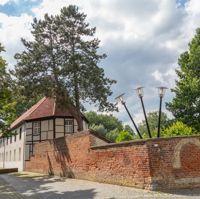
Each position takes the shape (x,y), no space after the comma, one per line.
(25,174)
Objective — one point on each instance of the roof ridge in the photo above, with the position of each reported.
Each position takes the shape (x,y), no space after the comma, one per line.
(28,112)
(45,107)
(37,105)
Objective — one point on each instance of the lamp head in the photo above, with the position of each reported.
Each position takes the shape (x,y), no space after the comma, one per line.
(140,91)
(161,91)
(120,98)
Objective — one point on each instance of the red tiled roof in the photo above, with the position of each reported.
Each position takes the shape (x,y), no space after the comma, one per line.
(46,107)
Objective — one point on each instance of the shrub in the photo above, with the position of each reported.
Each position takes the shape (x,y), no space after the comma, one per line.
(178,129)
(124,136)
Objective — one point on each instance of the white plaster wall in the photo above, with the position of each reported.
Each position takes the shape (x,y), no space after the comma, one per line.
(59,121)
(85,125)
(18,161)
(14,146)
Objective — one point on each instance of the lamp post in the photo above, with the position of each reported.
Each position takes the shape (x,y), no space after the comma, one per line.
(161,92)
(120,99)
(140,94)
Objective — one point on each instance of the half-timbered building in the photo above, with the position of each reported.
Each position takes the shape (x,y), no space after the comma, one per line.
(45,120)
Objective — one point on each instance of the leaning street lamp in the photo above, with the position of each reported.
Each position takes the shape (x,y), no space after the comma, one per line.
(140,94)
(161,92)
(121,100)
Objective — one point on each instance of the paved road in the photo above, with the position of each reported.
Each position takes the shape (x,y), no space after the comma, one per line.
(21,186)
(7,191)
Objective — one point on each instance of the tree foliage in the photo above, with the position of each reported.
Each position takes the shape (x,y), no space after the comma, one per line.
(127,128)
(7,103)
(124,136)
(62,61)
(112,135)
(108,121)
(107,125)
(185,106)
(99,128)
(153,124)
(178,129)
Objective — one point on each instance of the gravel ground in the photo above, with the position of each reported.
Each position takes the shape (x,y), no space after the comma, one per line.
(41,187)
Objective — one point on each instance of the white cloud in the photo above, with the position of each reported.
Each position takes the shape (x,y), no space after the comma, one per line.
(11,31)
(167,78)
(192,7)
(142,38)
(53,7)
(3,2)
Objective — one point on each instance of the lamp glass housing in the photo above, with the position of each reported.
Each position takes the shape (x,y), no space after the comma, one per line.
(120,98)
(140,91)
(161,91)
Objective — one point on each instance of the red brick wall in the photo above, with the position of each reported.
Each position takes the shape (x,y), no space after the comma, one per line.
(175,162)
(152,164)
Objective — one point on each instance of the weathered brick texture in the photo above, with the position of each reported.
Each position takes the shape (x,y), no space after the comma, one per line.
(151,164)
(175,162)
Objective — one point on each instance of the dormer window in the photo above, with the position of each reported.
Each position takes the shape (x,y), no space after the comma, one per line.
(36,128)
(69,125)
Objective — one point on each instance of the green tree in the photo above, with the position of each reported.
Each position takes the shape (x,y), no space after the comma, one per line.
(124,136)
(99,128)
(153,124)
(62,61)
(108,121)
(22,102)
(7,103)
(112,135)
(107,125)
(127,128)
(185,106)
(178,129)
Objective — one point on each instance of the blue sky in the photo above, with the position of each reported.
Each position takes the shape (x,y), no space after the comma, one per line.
(142,38)
(16,8)
(182,2)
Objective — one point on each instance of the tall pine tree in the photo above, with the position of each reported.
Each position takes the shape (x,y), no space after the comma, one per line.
(7,103)
(185,106)
(62,61)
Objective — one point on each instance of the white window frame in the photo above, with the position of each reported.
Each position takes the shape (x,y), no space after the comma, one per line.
(10,156)
(69,126)
(36,128)
(14,155)
(6,156)
(20,151)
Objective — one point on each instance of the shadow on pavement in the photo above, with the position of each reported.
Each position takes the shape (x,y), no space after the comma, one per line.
(43,187)
(183,192)
(46,187)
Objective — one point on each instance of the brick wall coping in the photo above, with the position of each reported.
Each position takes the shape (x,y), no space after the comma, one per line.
(87,132)
(142,141)
(77,135)
(125,143)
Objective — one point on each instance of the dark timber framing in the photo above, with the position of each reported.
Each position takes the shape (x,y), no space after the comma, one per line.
(54,128)
(41,130)
(50,133)
(32,143)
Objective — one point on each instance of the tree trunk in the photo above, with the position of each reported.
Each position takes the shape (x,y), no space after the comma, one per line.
(76,90)
(77,103)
